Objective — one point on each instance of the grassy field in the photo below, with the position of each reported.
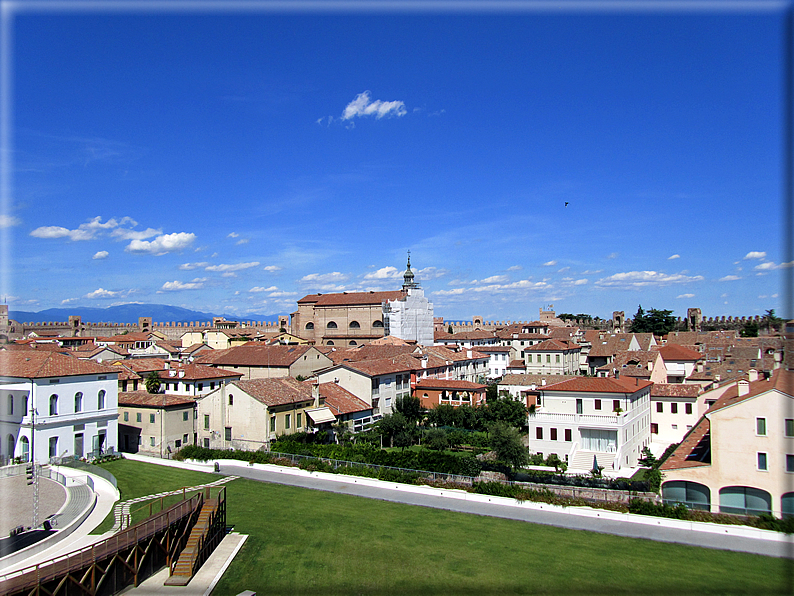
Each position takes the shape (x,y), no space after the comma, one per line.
(312,542)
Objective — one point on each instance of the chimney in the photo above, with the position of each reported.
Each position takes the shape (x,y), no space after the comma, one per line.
(543,382)
(181,373)
(468,353)
(167,366)
(171,373)
(752,375)
(700,366)
(743,387)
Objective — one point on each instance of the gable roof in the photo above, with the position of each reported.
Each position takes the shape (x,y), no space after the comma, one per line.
(153,400)
(600,385)
(277,391)
(450,384)
(781,380)
(256,355)
(679,353)
(31,364)
(351,298)
(340,400)
(553,345)
(694,449)
(675,390)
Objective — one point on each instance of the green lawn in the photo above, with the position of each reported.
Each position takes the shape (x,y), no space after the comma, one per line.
(312,542)
(137,479)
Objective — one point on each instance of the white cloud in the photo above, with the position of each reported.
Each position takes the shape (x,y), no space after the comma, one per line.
(496,279)
(261,289)
(272,268)
(429,273)
(242,241)
(549,263)
(191,266)
(612,255)
(580,282)
(770,266)
(235,267)
(101,293)
(126,234)
(282,294)
(162,244)
(102,254)
(685,296)
(68,300)
(497,288)
(515,268)
(730,278)
(384,273)
(455,292)
(363,105)
(58,232)
(233,235)
(671,257)
(8,221)
(325,278)
(755,254)
(645,278)
(173,286)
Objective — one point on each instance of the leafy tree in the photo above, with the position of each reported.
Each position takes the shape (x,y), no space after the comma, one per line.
(658,322)
(410,407)
(492,392)
(507,444)
(456,438)
(648,460)
(403,439)
(750,329)
(392,425)
(449,329)
(505,409)
(436,439)
(771,321)
(152,382)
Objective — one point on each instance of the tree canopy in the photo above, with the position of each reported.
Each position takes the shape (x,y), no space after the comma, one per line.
(658,322)
(152,382)
(506,442)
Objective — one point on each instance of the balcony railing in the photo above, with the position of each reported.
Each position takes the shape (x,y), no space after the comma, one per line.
(600,419)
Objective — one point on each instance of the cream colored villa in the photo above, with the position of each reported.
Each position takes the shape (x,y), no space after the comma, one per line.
(739,457)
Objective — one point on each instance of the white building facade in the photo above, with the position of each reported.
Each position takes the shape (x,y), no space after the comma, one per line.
(410,317)
(55,405)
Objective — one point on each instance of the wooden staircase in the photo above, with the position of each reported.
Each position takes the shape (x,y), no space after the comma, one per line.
(185,565)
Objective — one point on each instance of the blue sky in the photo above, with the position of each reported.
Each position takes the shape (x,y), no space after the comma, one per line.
(234,161)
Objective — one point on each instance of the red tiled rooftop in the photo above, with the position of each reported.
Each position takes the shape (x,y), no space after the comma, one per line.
(152,400)
(31,364)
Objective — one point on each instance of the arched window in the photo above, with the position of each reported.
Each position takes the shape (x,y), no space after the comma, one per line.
(231,399)
(11,445)
(377,323)
(53,405)
(310,325)
(787,505)
(10,405)
(745,500)
(692,494)
(331,325)
(355,325)
(329,343)
(100,402)
(25,405)
(78,401)
(25,449)
(353,342)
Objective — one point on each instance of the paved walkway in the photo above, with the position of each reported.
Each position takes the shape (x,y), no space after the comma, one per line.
(17,499)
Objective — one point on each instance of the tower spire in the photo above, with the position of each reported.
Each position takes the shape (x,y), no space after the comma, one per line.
(408,276)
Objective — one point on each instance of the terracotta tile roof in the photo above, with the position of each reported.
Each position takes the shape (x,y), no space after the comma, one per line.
(600,385)
(553,345)
(563,332)
(534,379)
(781,380)
(274,392)
(728,370)
(258,355)
(450,384)
(675,390)
(31,364)
(677,353)
(385,366)
(517,364)
(369,352)
(494,349)
(471,335)
(152,400)
(507,334)
(341,401)
(195,372)
(694,449)
(351,298)
(194,348)
(453,356)
(142,365)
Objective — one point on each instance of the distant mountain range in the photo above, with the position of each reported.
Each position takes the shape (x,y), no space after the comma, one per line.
(129,313)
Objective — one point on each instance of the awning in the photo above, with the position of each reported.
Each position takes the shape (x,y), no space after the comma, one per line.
(320,415)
